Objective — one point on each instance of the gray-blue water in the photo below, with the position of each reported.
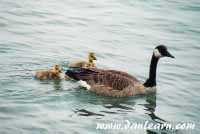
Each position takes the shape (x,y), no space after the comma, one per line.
(36,34)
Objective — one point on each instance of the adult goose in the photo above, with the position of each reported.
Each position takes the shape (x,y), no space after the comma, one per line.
(118,83)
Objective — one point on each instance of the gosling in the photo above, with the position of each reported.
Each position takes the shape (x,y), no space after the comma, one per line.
(50,74)
(85,64)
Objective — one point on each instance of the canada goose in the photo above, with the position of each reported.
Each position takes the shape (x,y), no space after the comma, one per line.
(85,64)
(49,74)
(117,83)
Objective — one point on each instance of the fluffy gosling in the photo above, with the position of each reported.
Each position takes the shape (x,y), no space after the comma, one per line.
(85,64)
(50,74)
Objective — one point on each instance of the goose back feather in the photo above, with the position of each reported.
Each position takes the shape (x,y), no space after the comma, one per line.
(106,82)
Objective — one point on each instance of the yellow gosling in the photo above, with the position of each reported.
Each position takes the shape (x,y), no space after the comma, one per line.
(49,74)
(85,64)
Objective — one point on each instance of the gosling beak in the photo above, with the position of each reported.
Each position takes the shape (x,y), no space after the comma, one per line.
(60,71)
(94,58)
(169,55)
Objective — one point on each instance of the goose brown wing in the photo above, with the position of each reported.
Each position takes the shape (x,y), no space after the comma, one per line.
(112,79)
(124,74)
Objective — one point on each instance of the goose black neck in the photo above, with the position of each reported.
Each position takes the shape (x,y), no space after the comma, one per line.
(151,81)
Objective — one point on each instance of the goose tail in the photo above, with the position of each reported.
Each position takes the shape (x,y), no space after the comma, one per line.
(72,72)
(78,73)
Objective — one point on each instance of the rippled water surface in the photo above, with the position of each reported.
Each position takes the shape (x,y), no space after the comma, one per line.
(36,34)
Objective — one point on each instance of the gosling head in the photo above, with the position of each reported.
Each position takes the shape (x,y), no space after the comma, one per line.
(161,51)
(57,68)
(92,56)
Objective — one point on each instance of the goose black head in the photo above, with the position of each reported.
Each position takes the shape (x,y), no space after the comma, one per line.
(161,51)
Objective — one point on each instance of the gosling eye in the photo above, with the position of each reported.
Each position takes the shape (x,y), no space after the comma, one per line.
(94,58)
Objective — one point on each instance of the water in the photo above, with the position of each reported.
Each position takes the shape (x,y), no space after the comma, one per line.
(38,34)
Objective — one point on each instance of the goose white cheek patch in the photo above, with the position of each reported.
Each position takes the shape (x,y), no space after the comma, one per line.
(84,84)
(157,53)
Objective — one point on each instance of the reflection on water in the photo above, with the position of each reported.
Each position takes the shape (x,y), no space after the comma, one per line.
(151,107)
(113,103)
(57,84)
(83,112)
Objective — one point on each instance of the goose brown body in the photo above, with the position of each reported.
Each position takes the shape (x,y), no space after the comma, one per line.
(108,82)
